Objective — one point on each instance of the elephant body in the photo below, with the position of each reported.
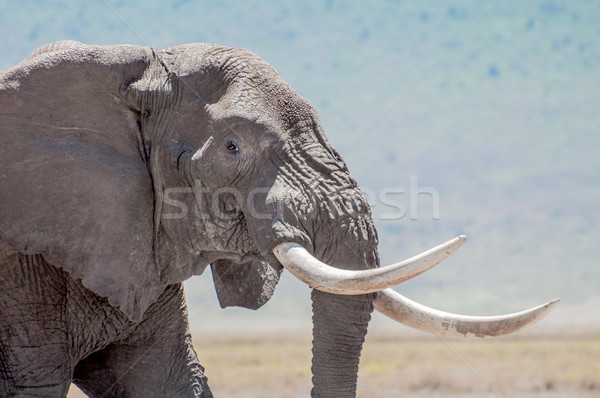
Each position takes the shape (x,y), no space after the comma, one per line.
(125,171)
(54,331)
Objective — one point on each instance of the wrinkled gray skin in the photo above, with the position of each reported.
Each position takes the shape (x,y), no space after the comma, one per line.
(124,171)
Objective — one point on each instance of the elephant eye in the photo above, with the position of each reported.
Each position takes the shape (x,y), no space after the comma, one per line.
(232,146)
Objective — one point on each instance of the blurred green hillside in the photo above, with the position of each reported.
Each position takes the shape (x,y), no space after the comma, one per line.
(494,107)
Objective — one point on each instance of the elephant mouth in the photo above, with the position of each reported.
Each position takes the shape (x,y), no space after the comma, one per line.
(247,282)
(321,276)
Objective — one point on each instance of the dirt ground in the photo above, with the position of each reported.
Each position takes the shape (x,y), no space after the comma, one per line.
(277,366)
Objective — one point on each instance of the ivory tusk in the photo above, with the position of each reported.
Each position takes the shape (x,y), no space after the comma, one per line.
(418,316)
(329,279)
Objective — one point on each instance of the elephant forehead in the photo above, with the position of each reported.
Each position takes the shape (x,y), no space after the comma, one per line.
(198,63)
(246,83)
(265,120)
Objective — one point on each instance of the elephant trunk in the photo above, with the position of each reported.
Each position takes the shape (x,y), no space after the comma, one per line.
(336,228)
(339,329)
(340,321)
(314,205)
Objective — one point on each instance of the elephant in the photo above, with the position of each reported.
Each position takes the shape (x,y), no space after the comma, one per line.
(125,170)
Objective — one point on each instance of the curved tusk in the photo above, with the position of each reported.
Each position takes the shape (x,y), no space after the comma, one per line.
(418,316)
(329,279)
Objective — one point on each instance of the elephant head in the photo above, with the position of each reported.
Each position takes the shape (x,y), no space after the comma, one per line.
(133,169)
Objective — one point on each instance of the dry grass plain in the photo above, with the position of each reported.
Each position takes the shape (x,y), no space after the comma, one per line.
(277,366)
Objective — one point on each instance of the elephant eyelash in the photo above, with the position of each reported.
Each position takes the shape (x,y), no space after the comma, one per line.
(232,147)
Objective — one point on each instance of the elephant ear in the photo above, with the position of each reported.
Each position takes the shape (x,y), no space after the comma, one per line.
(247,283)
(74,181)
